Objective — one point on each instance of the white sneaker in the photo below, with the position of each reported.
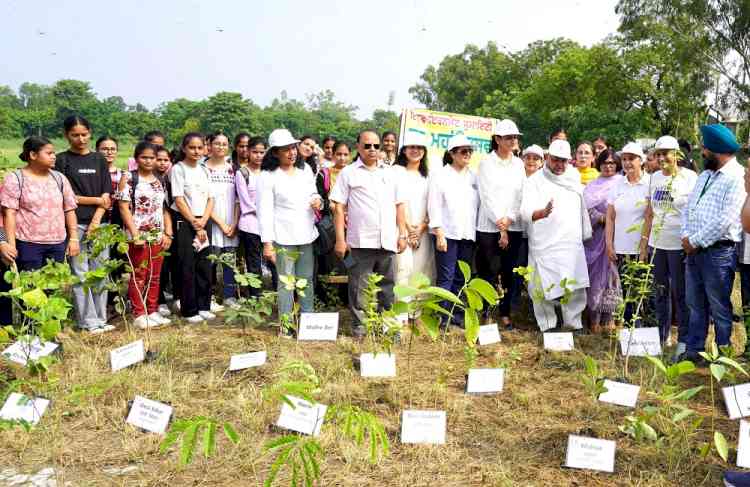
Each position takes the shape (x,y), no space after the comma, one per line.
(216,307)
(164,310)
(158,319)
(195,319)
(142,322)
(107,327)
(207,315)
(231,303)
(94,331)
(176,305)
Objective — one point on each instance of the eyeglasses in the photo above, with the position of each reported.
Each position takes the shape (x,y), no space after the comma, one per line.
(610,162)
(371,146)
(465,151)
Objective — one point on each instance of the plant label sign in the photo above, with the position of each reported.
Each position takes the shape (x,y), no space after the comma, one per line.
(22,351)
(737,400)
(644,342)
(558,342)
(403,318)
(304,417)
(149,415)
(127,355)
(590,453)
(620,393)
(23,408)
(247,360)
(318,326)
(423,427)
(743,445)
(489,334)
(485,381)
(377,365)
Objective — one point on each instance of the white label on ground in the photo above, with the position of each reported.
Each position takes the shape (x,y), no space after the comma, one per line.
(558,342)
(590,453)
(484,381)
(127,355)
(645,342)
(620,393)
(22,351)
(489,334)
(23,408)
(149,415)
(318,326)
(743,445)
(304,417)
(247,360)
(380,365)
(737,399)
(423,427)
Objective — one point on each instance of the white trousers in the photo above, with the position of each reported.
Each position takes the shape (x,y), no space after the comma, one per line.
(544,311)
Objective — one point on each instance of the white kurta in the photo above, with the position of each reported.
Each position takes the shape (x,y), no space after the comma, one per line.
(555,242)
(421,260)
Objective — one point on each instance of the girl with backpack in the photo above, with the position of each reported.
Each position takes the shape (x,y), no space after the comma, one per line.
(170,268)
(39,209)
(147,222)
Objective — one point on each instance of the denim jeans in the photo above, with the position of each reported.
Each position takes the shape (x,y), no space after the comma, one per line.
(33,256)
(709,277)
(301,268)
(448,275)
(669,280)
(744,270)
(227,273)
(90,303)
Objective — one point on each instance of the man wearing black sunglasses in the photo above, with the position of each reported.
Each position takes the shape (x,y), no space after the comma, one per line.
(370,222)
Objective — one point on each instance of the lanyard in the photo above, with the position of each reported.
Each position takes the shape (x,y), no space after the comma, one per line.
(708,184)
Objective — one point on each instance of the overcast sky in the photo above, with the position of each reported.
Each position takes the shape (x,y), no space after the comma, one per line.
(159,50)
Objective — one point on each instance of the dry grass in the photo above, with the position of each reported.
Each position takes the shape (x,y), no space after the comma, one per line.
(514,438)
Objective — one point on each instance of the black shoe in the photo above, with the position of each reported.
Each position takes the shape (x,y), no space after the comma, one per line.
(697,360)
(736,479)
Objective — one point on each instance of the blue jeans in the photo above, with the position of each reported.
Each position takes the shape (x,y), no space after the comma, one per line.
(33,256)
(90,303)
(227,273)
(448,275)
(669,279)
(709,277)
(302,268)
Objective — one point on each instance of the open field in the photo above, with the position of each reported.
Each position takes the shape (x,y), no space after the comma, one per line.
(10,148)
(515,438)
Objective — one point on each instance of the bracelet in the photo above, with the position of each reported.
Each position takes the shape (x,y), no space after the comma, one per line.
(73,240)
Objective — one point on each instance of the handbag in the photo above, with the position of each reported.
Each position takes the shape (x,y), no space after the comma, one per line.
(326,240)
(612,295)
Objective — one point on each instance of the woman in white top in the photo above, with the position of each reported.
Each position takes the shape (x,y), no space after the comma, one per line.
(667,198)
(452,210)
(411,165)
(225,215)
(287,200)
(499,232)
(626,211)
(193,204)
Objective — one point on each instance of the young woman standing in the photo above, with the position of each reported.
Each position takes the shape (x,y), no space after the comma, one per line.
(141,197)
(225,214)
(193,204)
(39,209)
(390,145)
(88,173)
(246,185)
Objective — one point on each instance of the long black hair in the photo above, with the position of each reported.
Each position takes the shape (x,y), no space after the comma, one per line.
(237,139)
(74,120)
(271,160)
(105,138)
(179,152)
(312,161)
(402,160)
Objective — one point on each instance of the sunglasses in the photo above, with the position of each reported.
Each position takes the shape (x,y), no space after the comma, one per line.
(371,146)
(465,151)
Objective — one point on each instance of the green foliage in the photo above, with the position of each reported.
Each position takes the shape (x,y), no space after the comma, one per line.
(593,379)
(383,329)
(189,430)
(359,425)
(294,378)
(299,454)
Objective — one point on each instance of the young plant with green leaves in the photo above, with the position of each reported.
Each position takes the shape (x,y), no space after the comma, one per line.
(382,327)
(593,378)
(189,431)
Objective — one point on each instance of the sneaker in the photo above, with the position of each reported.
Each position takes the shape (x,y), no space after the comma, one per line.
(736,479)
(194,320)
(164,310)
(142,322)
(158,319)
(216,307)
(176,305)
(107,327)
(94,331)
(207,315)
(231,303)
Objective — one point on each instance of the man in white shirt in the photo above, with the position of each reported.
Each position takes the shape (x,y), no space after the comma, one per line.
(501,177)
(373,208)
(557,223)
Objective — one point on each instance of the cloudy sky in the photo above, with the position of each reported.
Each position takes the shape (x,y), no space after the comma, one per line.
(158,50)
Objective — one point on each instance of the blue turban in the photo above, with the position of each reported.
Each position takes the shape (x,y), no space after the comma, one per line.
(719,139)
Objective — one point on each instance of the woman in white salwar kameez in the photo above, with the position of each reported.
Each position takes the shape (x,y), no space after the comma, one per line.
(411,168)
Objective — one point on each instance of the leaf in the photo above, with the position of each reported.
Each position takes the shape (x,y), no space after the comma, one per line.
(658,364)
(649,432)
(718,371)
(189,439)
(485,289)
(402,292)
(687,394)
(471,324)
(474,299)
(732,363)
(682,415)
(721,445)
(281,459)
(34,298)
(465,270)
(230,433)
(444,294)
(209,439)
(279,442)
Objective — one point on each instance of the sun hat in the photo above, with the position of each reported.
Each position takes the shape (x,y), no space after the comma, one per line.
(281,138)
(666,142)
(458,140)
(560,148)
(533,149)
(719,139)
(633,148)
(413,137)
(506,127)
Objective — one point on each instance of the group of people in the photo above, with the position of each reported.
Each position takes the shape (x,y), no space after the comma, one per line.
(297,208)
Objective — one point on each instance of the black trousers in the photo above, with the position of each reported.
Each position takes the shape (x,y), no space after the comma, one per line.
(6,305)
(493,262)
(195,294)
(252,249)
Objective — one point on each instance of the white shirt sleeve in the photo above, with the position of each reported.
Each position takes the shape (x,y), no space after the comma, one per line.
(486,189)
(177,180)
(266,207)
(340,190)
(435,202)
(527,209)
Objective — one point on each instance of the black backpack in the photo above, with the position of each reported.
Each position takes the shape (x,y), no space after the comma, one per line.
(58,177)
(134,183)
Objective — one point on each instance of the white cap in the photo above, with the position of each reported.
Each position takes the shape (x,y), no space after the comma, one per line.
(667,142)
(534,149)
(281,138)
(412,137)
(506,127)
(633,148)
(458,140)
(560,148)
